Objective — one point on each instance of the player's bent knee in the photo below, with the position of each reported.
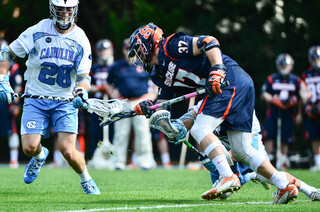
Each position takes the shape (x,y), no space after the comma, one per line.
(203,126)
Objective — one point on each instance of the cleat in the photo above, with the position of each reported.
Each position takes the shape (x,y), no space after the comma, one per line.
(286,195)
(315,195)
(226,195)
(14,164)
(315,168)
(33,168)
(90,187)
(222,186)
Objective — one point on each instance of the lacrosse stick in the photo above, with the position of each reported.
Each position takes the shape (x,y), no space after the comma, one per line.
(127,114)
(103,108)
(160,120)
(278,150)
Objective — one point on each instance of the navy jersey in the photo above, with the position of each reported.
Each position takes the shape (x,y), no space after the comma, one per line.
(178,67)
(131,81)
(99,75)
(312,79)
(276,83)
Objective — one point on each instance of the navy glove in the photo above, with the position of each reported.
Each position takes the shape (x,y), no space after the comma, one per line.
(80,98)
(6,92)
(143,108)
(208,164)
(182,130)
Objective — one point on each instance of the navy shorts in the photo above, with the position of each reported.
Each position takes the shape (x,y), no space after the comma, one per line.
(311,128)
(287,126)
(236,103)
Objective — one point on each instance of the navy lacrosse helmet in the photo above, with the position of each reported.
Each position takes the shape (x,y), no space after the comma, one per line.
(142,44)
(313,56)
(284,64)
(104,52)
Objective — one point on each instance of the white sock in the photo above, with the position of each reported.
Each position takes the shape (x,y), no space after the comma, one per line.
(316,160)
(222,166)
(165,158)
(253,175)
(41,155)
(57,157)
(14,154)
(85,176)
(278,180)
(134,158)
(305,188)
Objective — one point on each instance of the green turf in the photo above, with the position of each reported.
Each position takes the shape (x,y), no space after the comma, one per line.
(173,190)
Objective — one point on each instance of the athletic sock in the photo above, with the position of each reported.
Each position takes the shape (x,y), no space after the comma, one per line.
(85,176)
(316,160)
(165,158)
(305,188)
(14,155)
(41,155)
(222,166)
(278,180)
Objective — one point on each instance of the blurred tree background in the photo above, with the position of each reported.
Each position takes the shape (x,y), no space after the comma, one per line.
(251,32)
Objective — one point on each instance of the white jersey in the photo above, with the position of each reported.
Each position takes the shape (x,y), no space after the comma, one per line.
(54,59)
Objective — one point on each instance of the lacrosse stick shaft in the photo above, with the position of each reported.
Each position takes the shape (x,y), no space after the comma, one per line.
(195,150)
(18,95)
(278,151)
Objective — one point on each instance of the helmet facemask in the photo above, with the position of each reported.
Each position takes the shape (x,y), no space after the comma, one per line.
(284,64)
(104,52)
(314,57)
(63,12)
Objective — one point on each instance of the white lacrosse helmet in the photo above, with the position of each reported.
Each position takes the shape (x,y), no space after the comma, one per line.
(63,12)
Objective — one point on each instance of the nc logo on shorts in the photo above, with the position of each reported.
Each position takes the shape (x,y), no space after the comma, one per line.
(31,124)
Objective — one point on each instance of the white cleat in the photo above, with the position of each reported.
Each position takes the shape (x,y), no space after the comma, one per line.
(222,186)
(286,195)
(315,195)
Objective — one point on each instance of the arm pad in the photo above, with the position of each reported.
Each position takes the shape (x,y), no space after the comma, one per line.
(205,43)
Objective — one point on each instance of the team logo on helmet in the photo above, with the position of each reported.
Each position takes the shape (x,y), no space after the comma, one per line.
(143,43)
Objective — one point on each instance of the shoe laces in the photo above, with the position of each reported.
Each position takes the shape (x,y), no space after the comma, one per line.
(34,167)
(88,186)
(314,195)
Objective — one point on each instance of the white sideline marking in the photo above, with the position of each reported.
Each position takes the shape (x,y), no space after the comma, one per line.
(173,206)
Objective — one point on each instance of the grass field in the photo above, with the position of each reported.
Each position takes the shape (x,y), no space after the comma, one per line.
(155,190)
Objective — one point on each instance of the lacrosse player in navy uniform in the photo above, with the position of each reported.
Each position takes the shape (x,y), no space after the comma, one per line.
(9,113)
(181,61)
(282,91)
(99,73)
(311,76)
(58,65)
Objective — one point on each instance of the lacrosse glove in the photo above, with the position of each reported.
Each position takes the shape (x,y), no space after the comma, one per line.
(277,102)
(81,96)
(216,77)
(6,92)
(206,162)
(182,130)
(143,108)
(312,111)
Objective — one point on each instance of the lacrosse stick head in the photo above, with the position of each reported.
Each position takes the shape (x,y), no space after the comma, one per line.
(104,108)
(160,120)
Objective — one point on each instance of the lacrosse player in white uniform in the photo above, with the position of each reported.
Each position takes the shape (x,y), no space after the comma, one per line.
(244,173)
(59,62)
